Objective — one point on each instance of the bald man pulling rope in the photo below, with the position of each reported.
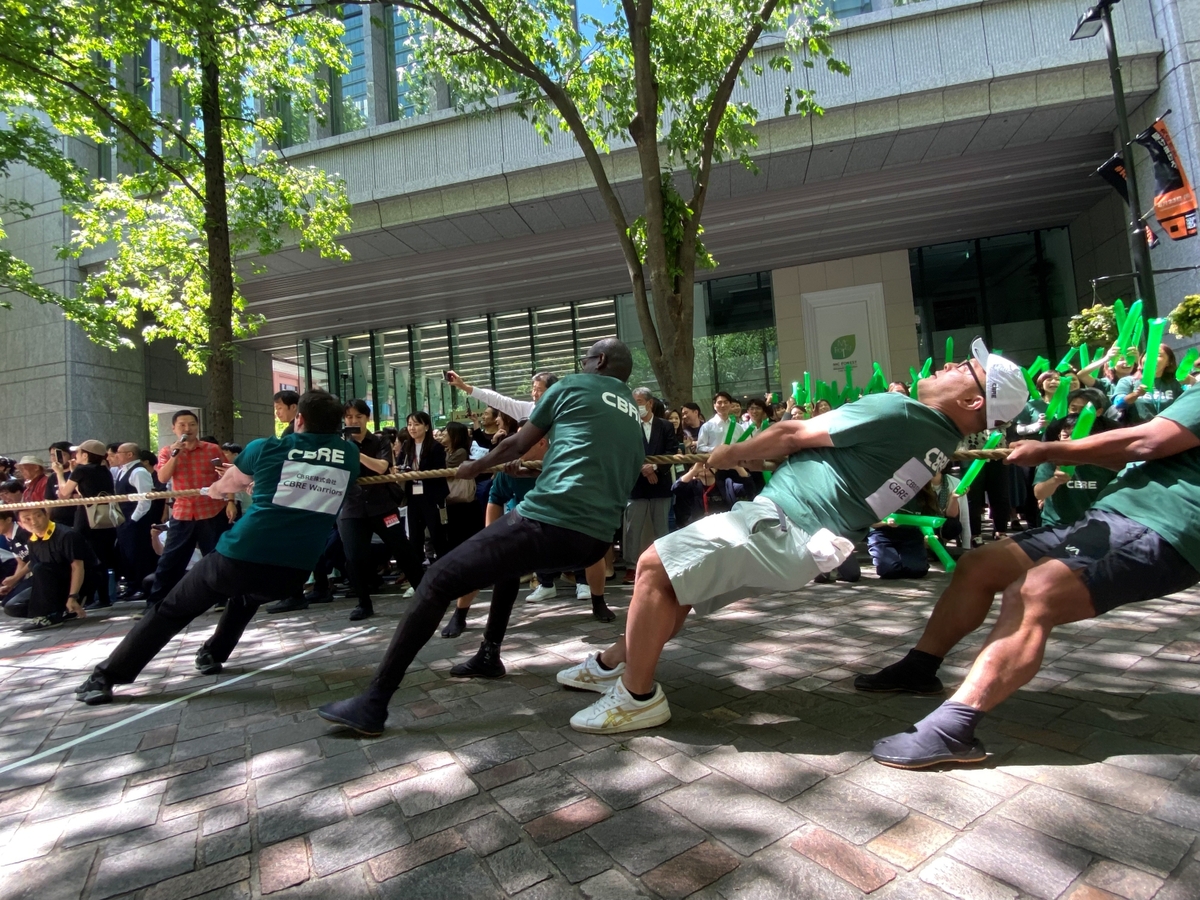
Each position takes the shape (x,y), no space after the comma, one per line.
(843,472)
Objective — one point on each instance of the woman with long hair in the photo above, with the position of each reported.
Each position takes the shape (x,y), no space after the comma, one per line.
(90,477)
(426,498)
(371,510)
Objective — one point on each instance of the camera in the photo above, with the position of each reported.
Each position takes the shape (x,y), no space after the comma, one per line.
(350,431)
(446,374)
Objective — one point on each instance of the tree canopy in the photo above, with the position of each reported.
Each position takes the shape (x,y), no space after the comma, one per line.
(190,98)
(660,74)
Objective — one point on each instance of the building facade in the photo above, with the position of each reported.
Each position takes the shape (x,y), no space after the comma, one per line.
(947,191)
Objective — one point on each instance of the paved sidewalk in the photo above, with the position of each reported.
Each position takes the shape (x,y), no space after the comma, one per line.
(760,786)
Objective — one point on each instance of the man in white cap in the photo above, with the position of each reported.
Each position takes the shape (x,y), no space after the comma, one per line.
(33,471)
(841,473)
(1140,540)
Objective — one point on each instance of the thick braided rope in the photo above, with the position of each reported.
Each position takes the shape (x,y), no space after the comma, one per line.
(401,477)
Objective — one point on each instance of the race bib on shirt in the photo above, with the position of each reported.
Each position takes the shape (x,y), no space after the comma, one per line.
(901,488)
(391,521)
(311,488)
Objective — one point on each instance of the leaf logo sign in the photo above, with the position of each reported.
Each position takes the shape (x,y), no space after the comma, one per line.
(843,347)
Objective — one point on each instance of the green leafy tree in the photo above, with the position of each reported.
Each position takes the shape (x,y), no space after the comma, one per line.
(658,73)
(201,177)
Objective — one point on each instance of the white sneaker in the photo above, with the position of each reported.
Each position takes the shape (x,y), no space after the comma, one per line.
(617,711)
(583,592)
(542,592)
(588,676)
(408,593)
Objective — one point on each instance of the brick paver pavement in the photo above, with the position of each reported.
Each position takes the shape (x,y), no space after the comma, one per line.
(760,787)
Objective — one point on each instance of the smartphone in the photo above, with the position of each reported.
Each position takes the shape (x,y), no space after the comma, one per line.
(446,374)
(216,461)
(350,431)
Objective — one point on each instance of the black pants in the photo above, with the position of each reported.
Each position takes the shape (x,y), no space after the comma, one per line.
(183,537)
(356,542)
(214,578)
(95,579)
(135,552)
(499,555)
(992,480)
(424,512)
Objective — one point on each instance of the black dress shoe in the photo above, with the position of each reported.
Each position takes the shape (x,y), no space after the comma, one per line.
(357,713)
(291,604)
(319,596)
(484,664)
(96,604)
(361,612)
(205,663)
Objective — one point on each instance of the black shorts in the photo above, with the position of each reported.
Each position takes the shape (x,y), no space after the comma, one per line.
(1122,561)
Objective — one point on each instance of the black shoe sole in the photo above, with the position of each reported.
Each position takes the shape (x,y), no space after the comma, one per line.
(466,674)
(901,690)
(288,609)
(353,726)
(96,698)
(968,757)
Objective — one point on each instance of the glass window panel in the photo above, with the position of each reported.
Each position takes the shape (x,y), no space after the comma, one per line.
(472,355)
(321,353)
(348,99)
(514,353)
(594,319)
(946,292)
(740,303)
(433,357)
(396,371)
(398,28)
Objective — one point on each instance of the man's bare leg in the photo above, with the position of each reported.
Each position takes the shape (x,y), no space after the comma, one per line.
(961,609)
(617,652)
(979,576)
(655,616)
(1049,594)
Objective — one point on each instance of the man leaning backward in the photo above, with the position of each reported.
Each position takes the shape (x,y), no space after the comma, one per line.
(842,472)
(300,481)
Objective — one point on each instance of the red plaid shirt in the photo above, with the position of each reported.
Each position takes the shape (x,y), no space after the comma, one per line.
(193,469)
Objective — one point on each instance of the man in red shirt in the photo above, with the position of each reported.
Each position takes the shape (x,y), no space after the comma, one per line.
(188,464)
(33,470)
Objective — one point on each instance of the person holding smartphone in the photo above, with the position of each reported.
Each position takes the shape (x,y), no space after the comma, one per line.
(371,510)
(426,499)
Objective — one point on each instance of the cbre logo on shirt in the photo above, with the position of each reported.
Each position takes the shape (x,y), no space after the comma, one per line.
(324,454)
(621,404)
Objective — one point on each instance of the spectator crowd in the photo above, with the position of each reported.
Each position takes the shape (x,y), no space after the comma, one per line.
(58,563)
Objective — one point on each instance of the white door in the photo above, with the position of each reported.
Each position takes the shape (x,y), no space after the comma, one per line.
(845,326)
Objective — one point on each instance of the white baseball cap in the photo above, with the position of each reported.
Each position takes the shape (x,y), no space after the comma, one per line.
(1006,392)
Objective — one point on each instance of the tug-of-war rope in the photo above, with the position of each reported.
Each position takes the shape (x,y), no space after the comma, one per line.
(400,477)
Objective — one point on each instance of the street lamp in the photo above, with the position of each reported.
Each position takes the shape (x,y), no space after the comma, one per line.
(1099,18)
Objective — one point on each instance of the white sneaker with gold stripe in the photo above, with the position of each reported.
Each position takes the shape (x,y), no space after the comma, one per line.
(617,711)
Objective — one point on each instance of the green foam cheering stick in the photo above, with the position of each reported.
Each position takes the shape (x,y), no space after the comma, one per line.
(1154,336)
(808,395)
(849,375)
(1065,362)
(1119,313)
(1083,427)
(1038,366)
(731,430)
(927,368)
(1085,358)
(950,348)
(1185,365)
(1029,383)
(1058,403)
(928,526)
(1125,335)
(976,467)
(914,377)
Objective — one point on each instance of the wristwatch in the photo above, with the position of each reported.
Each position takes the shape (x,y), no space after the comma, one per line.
(72,596)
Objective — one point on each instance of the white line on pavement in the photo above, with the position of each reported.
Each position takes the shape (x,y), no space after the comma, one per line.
(160,707)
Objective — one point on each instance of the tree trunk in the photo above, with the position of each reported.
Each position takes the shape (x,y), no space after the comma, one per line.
(220,257)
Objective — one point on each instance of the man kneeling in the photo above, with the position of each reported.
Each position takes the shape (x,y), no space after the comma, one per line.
(1138,542)
(300,481)
(843,472)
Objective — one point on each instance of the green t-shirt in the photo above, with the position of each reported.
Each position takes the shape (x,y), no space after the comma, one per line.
(886,447)
(508,490)
(1075,497)
(1164,494)
(300,481)
(595,456)
(1033,409)
(1150,404)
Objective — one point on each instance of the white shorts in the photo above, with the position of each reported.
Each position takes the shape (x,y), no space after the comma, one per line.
(754,548)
